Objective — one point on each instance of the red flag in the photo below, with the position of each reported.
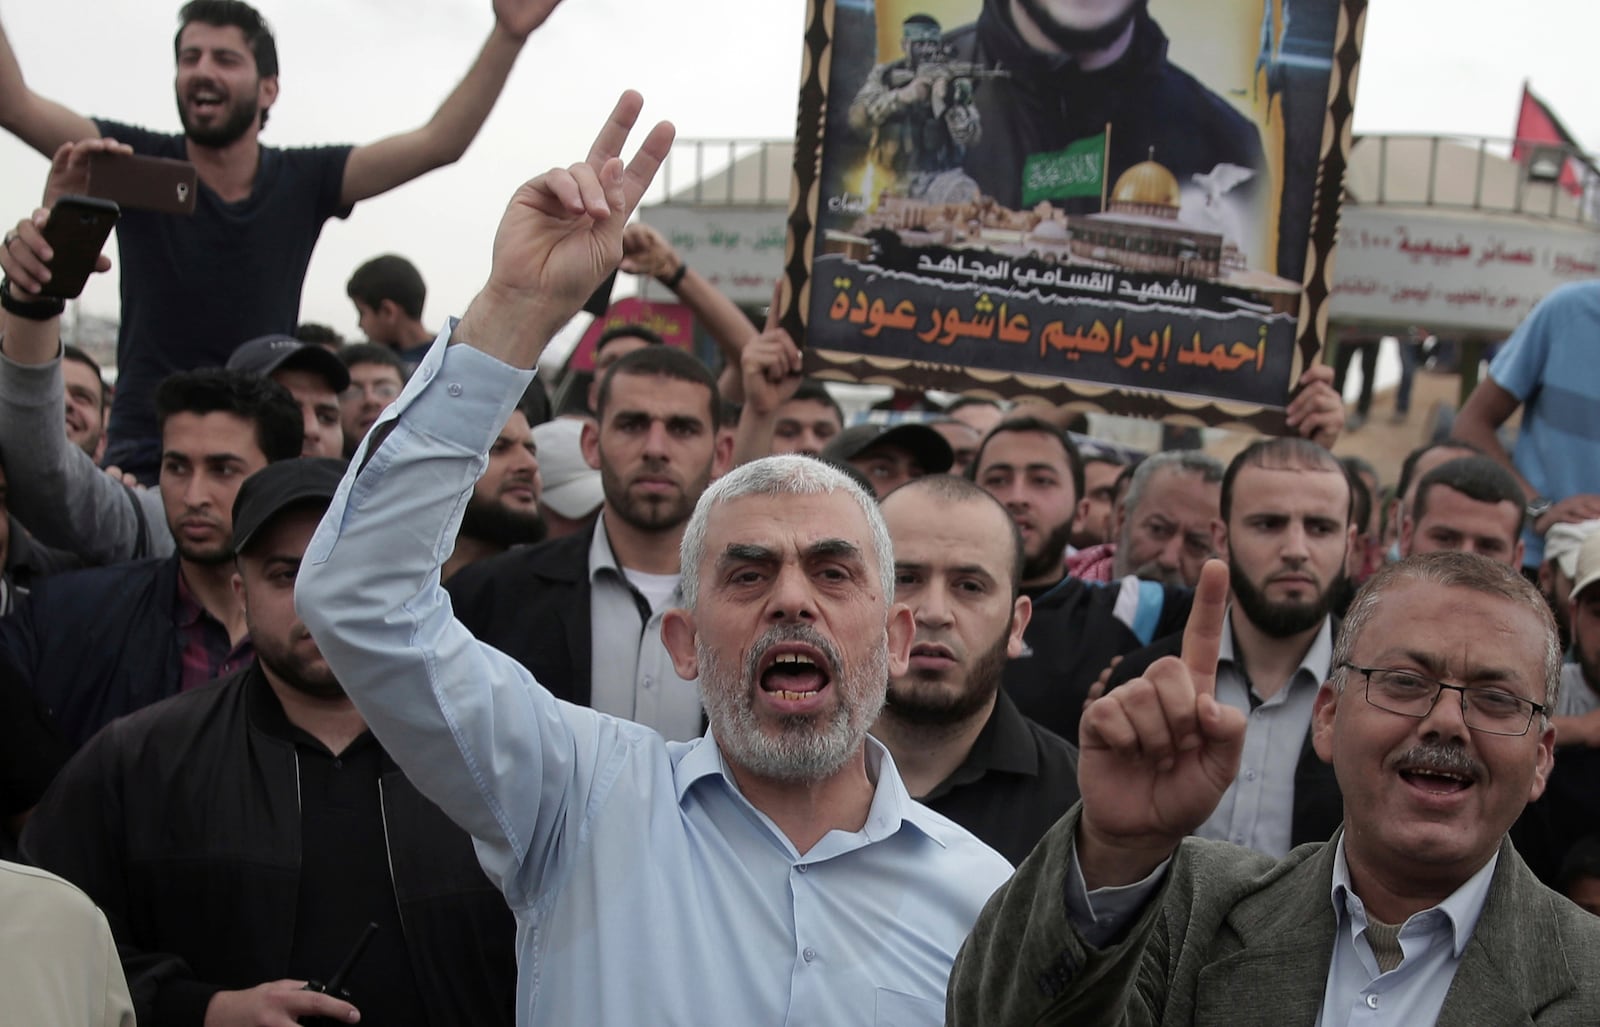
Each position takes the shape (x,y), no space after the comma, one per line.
(1537,124)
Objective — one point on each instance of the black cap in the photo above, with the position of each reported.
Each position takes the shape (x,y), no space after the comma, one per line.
(278,486)
(926,446)
(268,353)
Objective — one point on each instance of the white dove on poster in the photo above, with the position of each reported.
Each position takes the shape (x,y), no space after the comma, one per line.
(1205,204)
(1221,179)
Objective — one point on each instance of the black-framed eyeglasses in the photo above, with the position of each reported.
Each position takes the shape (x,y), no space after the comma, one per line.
(1490,710)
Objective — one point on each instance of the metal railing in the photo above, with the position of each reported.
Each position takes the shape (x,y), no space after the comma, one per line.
(725,173)
(1480,173)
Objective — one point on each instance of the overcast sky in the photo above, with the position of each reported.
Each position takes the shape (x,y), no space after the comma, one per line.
(355,70)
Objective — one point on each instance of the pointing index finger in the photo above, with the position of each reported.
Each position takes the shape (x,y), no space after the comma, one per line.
(1202,636)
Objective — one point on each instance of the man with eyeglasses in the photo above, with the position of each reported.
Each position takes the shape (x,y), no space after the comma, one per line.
(377,374)
(1419,911)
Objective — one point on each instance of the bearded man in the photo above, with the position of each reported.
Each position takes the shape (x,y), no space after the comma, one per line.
(1286,530)
(194,288)
(959,742)
(773,870)
(504,509)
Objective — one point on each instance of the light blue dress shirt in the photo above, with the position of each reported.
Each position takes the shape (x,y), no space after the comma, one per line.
(647,890)
(1257,810)
(1359,995)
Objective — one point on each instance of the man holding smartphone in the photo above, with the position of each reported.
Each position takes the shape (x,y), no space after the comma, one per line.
(194,288)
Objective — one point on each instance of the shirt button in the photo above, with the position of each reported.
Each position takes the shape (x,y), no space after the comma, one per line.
(802,867)
(454,389)
(809,954)
(338,764)
(1372,1002)
(649,683)
(1249,775)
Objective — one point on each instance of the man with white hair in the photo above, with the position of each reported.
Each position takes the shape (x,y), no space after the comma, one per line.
(774,870)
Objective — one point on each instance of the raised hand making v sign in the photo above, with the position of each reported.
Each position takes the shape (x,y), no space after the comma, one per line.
(558,239)
(1158,752)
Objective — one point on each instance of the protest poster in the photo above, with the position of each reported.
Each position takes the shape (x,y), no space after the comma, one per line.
(1130,204)
(672,321)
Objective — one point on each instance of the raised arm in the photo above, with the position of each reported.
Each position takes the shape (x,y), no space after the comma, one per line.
(470,727)
(380,166)
(1155,757)
(770,367)
(41,123)
(646,252)
(1157,753)
(58,493)
(1317,410)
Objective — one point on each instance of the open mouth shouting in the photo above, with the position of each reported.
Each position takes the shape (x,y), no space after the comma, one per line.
(206,100)
(794,677)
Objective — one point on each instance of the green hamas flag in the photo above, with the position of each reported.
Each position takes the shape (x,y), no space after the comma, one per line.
(1079,170)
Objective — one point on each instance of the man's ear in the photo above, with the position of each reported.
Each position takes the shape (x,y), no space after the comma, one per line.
(1324,710)
(677,634)
(722,455)
(1546,760)
(589,443)
(1219,538)
(902,629)
(267,92)
(1021,614)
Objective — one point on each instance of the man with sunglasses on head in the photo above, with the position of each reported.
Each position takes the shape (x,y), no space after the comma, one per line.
(1435,718)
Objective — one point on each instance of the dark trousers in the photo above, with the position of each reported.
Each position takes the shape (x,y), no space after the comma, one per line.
(1348,348)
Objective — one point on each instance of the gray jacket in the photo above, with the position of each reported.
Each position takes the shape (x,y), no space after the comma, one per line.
(56,490)
(1235,939)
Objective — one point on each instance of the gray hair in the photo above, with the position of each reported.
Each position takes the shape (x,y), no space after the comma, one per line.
(1455,570)
(1188,461)
(788,475)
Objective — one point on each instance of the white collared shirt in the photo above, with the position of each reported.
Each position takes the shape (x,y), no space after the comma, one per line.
(631,674)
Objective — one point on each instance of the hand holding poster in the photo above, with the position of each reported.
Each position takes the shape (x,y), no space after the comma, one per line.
(1129,202)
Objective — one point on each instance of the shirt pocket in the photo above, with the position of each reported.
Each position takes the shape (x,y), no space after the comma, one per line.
(897,1009)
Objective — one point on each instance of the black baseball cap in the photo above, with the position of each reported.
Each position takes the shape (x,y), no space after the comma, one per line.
(266,354)
(926,446)
(276,487)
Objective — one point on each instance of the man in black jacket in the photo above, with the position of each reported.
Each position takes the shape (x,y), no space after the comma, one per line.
(241,837)
(583,613)
(1287,529)
(100,643)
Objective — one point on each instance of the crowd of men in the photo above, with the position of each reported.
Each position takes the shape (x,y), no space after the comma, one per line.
(353,681)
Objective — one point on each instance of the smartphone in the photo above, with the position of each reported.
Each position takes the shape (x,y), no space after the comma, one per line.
(135,182)
(77,232)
